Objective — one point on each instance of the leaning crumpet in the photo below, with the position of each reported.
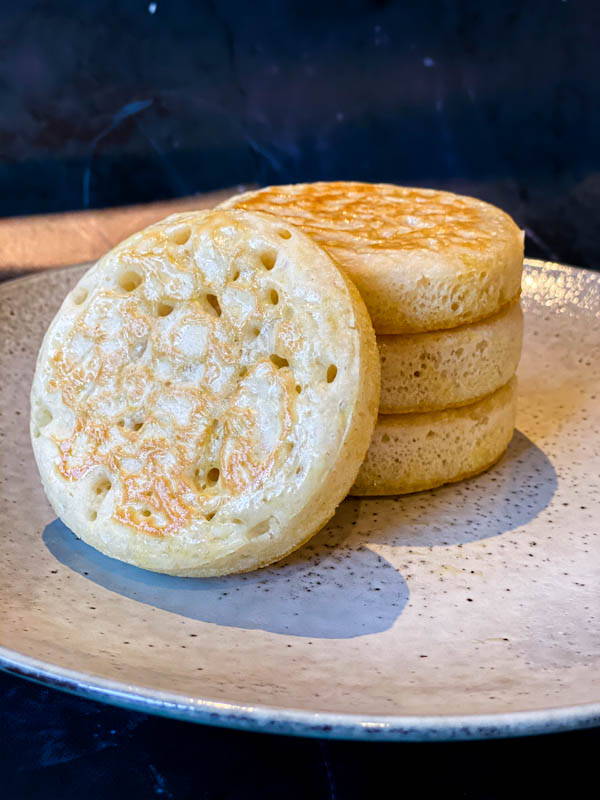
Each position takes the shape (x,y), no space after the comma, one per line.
(423,260)
(205,395)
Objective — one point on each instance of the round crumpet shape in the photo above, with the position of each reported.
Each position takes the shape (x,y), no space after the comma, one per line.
(412,452)
(205,395)
(446,369)
(422,260)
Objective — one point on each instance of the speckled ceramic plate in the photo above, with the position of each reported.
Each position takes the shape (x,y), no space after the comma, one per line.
(469,611)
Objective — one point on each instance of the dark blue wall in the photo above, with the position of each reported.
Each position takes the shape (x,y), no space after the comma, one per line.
(105,103)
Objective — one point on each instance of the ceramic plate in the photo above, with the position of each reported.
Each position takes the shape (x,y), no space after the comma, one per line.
(469,611)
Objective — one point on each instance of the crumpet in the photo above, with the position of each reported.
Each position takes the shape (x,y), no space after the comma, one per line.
(445,369)
(422,260)
(412,452)
(205,395)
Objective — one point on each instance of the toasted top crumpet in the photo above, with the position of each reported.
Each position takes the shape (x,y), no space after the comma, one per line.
(205,395)
(422,260)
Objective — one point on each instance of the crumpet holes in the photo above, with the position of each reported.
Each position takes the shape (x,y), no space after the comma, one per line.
(259,529)
(279,361)
(146,512)
(213,302)
(93,515)
(79,296)
(331,373)
(298,388)
(42,417)
(284,234)
(212,476)
(273,297)
(103,486)
(139,349)
(210,516)
(130,425)
(164,309)
(129,281)
(181,235)
(268,259)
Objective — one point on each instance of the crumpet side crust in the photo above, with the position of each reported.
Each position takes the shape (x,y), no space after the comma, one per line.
(447,369)
(413,452)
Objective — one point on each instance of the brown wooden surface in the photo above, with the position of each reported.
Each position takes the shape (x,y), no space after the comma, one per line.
(56,240)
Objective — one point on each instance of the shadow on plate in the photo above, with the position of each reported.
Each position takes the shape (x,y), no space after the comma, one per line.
(509,495)
(335,587)
(329,589)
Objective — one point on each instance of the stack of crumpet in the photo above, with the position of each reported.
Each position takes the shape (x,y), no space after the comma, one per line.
(440,275)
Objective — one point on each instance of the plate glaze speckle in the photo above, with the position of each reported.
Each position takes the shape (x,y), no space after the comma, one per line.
(469,611)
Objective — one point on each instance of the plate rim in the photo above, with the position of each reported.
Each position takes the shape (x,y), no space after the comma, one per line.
(298,722)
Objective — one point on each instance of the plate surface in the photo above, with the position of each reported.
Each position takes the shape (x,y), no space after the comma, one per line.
(468,611)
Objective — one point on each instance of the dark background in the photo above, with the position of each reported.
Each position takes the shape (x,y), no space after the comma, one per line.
(105,103)
(58,747)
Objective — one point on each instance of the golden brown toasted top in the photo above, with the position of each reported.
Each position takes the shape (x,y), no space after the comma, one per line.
(375,215)
(421,259)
